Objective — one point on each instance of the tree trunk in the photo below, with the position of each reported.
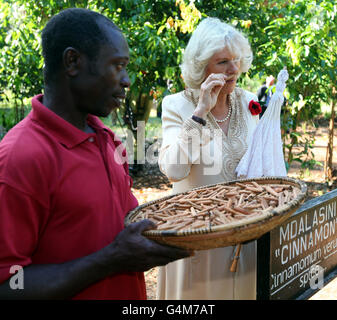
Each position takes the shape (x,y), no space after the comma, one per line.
(293,139)
(329,151)
(141,114)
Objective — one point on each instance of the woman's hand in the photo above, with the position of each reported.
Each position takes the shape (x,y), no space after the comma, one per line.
(209,92)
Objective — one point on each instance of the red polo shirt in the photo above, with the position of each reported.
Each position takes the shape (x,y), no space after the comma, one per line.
(64,194)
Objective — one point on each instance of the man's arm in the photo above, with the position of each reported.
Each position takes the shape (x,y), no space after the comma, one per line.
(130,251)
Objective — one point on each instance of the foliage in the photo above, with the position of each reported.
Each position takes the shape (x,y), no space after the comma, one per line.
(20,63)
(157,32)
(154,30)
(302,36)
(298,34)
(156,45)
(7,120)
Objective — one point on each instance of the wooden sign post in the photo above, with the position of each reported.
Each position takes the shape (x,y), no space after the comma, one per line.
(299,257)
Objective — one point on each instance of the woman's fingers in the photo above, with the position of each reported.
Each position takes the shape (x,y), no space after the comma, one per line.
(217,76)
(209,91)
(213,78)
(216,90)
(210,85)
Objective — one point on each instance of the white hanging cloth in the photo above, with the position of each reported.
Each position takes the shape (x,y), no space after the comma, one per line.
(264,156)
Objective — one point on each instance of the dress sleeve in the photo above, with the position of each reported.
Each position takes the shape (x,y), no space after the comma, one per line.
(182,141)
(21,221)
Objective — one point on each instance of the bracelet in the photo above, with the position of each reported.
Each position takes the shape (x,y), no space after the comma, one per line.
(199,120)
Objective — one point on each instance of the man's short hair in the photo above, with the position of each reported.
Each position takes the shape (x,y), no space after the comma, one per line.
(74,27)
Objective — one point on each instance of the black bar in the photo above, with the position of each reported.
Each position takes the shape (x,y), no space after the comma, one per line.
(263,267)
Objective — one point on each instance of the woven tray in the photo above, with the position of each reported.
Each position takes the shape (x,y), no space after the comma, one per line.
(231,233)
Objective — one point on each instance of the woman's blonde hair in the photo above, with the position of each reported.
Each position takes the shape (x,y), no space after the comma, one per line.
(211,36)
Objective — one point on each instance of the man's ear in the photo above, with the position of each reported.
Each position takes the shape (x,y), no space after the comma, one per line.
(72,60)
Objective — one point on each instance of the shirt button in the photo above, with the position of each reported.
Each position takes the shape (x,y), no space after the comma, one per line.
(91,139)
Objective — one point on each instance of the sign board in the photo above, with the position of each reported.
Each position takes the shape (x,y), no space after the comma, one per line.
(298,257)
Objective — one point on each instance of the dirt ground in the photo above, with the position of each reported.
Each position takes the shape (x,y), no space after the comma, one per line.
(152,184)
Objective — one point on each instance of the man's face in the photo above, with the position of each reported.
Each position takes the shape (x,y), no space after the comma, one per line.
(101,83)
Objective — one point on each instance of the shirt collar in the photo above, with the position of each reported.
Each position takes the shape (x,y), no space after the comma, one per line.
(64,131)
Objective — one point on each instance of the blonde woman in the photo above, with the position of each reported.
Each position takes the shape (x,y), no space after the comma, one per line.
(206,131)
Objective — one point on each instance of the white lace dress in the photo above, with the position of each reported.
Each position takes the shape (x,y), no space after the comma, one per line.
(192,156)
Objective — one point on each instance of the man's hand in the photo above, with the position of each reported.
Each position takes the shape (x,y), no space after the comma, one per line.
(134,252)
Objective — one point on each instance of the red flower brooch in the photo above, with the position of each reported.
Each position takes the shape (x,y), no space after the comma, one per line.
(254,107)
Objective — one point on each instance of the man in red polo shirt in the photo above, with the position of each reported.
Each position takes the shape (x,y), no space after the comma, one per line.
(64,189)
